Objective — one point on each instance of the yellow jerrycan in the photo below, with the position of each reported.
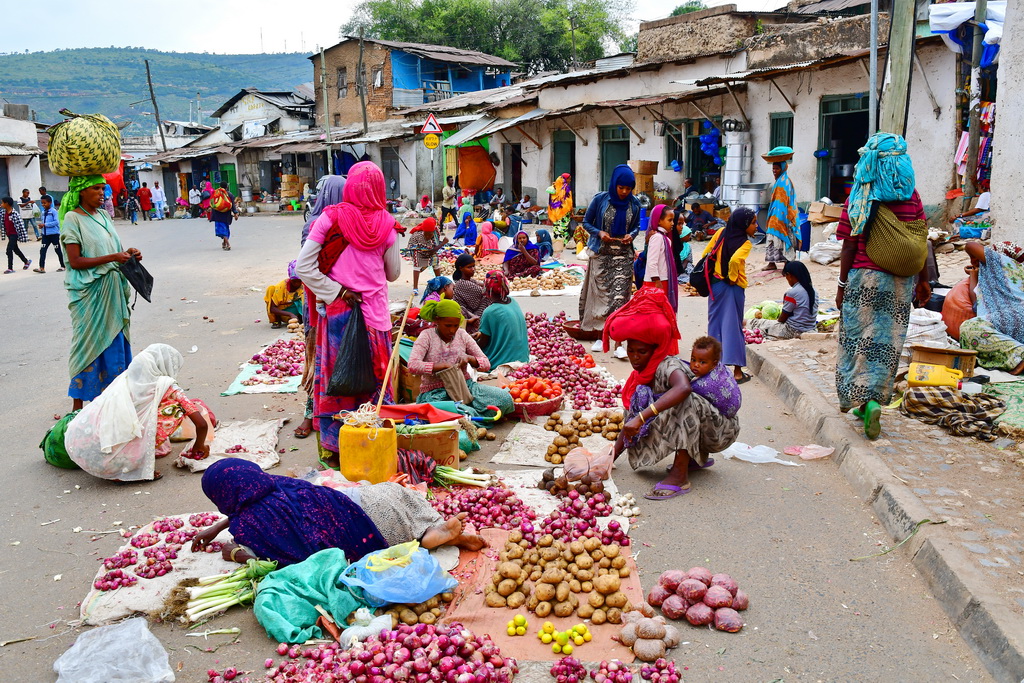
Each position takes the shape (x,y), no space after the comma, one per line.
(928,375)
(369,454)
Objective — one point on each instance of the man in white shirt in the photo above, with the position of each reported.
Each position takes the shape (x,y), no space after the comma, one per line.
(195,198)
(159,201)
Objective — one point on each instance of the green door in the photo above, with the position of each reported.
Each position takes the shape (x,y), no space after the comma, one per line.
(564,153)
(227,174)
(614,150)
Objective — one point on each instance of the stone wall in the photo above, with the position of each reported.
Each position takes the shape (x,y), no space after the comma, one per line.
(825,38)
(718,29)
(347,111)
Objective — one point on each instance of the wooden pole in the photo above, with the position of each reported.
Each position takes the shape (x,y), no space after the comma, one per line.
(156,109)
(899,68)
(873,73)
(974,129)
(393,361)
(361,82)
(327,110)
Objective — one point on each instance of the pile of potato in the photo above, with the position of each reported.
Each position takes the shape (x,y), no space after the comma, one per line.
(607,423)
(424,613)
(582,577)
(548,281)
(560,486)
(295,326)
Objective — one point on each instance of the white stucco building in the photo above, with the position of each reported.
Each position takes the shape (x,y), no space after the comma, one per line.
(19,153)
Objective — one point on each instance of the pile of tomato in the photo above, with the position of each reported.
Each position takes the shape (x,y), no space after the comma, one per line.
(534,390)
(585,362)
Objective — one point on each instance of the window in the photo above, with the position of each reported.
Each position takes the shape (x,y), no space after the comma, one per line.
(378,77)
(781,133)
(337,120)
(342,82)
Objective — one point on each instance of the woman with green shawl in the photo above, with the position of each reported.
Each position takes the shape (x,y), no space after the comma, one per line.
(98,293)
(441,356)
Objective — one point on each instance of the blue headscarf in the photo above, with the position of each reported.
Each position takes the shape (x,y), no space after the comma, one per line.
(621,175)
(514,251)
(434,286)
(884,174)
(329,195)
(467,230)
(544,243)
(286,519)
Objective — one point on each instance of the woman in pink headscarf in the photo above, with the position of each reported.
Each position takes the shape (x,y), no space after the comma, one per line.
(487,242)
(348,259)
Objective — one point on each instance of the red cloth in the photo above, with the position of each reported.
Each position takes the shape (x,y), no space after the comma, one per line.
(647,318)
(425,411)
(910,210)
(361,216)
(429,225)
(145,198)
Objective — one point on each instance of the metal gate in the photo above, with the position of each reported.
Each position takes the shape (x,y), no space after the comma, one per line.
(390,165)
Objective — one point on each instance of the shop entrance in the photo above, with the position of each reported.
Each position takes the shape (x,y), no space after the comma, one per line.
(512,159)
(614,150)
(564,153)
(390,165)
(843,129)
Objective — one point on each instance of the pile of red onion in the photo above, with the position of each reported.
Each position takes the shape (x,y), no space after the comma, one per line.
(237,448)
(491,507)
(283,358)
(203,518)
(180,538)
(162,552)
(439,653)
(662,671)
(611,672)
(113,580)
(569,670)
(125,558)
(576,518)
(162,526)
(144,540)
(152,567)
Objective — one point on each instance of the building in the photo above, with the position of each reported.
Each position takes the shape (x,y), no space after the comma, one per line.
(19,152)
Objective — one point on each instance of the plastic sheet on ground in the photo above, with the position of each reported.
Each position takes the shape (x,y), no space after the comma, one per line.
(571,290)
(524,484)
(257,437)
(527,443)
(249,370)
(809,452)
(125,652)
(147,596)
(758,455)
(473,572)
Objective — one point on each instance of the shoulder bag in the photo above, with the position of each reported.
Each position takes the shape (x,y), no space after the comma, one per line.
(899,247)
(700,276)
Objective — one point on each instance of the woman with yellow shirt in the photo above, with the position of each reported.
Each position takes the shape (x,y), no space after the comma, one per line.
(731,247)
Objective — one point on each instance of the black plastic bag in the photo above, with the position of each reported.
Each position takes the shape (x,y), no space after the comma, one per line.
(353,366)
(138,277)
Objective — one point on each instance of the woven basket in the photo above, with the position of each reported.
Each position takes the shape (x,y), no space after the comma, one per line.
(572,328)
(528,411)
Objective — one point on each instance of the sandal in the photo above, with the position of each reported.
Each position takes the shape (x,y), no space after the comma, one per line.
(38,270)
(8,271)
(276,326)
(302,432)
(27,264)
(662,486)
(872,414)
(60,270)
(744,378)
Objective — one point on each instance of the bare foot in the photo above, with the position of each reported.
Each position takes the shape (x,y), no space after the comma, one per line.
(444,534)
(470,542)
(771,266)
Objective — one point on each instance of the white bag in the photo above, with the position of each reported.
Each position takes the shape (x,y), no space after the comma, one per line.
(758,455)
(119,653)
(825,252)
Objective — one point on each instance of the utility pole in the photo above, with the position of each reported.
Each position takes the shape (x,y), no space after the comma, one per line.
(361,81)
(327,123)
(572,31)
(974,130)
(899,67)
(873,73)
(261,40)
(156,109)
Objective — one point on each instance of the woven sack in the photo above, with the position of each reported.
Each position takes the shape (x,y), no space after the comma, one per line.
(899,247)
(86,144)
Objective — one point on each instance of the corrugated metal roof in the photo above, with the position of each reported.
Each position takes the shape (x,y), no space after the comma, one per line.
(491,126)
(830,6)
(284,100)
(770,71)
(442,53)
(16,150)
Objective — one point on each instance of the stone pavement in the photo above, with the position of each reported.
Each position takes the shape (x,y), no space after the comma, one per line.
(974,561)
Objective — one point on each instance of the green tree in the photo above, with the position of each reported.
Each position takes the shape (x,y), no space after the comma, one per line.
(629,43)
(687,7)
(538,34)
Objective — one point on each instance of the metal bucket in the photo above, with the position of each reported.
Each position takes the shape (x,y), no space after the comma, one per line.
(754,195)
(246,194)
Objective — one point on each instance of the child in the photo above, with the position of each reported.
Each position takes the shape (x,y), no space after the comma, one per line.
(711,379)
(131,208)
(660,269)
(438,288)
(799,306)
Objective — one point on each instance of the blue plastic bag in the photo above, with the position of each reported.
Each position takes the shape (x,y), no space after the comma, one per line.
(417,581)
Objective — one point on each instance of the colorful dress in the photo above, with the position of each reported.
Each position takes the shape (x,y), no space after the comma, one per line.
(782,216)
(997,331)
(505,326)
(430,349)
(469,294)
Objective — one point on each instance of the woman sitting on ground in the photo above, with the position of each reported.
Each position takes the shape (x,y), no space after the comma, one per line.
(284,302)
(119,435)
(799,306)
(441,356)
(503,326)
(466,232)
(468,292)
(523,259)
(665,417)
(997,292)
(286,520)
(487,242)
(545,247)
(438,288)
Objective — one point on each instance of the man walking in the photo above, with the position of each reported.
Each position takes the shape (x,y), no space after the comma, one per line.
(448,193)
(195,198)
(221,213)
(51,235)
(27,209)
(145,201)
(159,201)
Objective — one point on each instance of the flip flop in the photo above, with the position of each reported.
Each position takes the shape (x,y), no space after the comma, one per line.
(676,491)
(302,433)
(744,379)
(872,417)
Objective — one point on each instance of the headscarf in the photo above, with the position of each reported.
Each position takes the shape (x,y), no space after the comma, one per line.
(435,286)
(461,262)
(488,242)
(291,270)
(544,243)
(673,273)
(362,216)
(782,209)
(445,308)
(734,235)
(428,225)
(424,201)
(1011,249)
(331,193)
(884,173)
(621,175)
(496,286)
(467,229)
(647,318)
(803,276)
(514,251)
(114,437)
(286,519)
(71,199)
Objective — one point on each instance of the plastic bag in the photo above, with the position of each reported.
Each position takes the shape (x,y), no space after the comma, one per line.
(138,277)
(418,581)
(120,652)
(758,455)
(364,626)
(53,444)
(580,462)
(353,366)
(826,252)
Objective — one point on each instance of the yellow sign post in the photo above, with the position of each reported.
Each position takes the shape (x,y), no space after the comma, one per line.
(431,141)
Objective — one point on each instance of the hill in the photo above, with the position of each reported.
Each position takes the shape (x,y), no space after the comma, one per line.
(110,80)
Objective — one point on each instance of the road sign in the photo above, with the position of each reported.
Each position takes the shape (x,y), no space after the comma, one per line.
(431,141)
(431,126)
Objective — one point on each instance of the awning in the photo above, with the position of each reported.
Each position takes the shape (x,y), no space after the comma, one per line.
(302,147)
(488,125)
(15,150)
(373,137)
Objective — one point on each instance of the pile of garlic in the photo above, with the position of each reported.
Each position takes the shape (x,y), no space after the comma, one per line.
(625,506)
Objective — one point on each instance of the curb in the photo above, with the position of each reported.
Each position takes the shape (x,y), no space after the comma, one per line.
(993,631)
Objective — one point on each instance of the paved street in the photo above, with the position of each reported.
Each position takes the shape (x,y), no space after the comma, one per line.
(787,534)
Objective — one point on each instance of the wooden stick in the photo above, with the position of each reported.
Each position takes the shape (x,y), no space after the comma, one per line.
(394,356)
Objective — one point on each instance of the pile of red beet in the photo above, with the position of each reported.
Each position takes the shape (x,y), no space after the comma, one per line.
(701,598)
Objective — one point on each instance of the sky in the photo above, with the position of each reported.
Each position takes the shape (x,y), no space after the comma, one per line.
(223,26)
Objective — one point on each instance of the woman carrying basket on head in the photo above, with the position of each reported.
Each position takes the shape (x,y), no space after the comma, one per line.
(348,259)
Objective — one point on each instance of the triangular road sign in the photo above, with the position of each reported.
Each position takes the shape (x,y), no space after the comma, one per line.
(431,126)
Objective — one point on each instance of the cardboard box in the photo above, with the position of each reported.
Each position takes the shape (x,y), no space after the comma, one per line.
(956,359)
(408,384)
(443,447)
(644,183)
(820,212)
(643,167)
(285,177)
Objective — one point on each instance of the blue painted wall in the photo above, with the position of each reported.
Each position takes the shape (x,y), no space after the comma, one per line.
(408,72)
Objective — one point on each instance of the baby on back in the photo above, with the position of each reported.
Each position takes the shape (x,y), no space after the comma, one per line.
(713,380)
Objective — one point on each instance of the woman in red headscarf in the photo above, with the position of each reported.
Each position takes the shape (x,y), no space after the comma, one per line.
(664,417)
(348,259)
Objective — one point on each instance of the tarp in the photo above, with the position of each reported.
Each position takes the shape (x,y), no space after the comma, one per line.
(476,172)
(947,18)
(116,180)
